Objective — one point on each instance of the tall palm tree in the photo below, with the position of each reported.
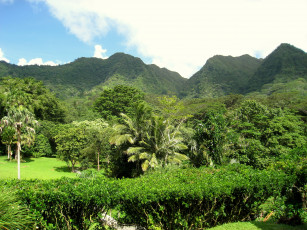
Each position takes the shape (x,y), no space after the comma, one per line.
(23,121)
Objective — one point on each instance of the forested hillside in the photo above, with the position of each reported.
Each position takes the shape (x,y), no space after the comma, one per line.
(221,75)
(78,77)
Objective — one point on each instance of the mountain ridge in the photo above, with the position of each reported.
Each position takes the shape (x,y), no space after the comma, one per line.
(220,75)
(83,74)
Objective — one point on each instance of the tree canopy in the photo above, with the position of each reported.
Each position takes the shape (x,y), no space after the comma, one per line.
(120,99)
(33,95)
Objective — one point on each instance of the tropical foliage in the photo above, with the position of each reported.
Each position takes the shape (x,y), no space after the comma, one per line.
(24,123)
(193,162)
(153,141)
(13,214)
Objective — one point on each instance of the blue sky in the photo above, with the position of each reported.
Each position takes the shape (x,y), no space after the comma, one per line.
(29,31)
(178,35)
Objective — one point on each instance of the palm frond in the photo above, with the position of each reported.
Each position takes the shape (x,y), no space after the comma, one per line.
(154,161)
(133,158)
(121,139)
(145,165)
(144,155)
(134,150)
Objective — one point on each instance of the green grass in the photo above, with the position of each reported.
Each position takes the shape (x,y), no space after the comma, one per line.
(254,225)
(35,168)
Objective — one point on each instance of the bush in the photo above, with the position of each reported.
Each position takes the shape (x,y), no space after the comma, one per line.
(172,199)
(294,199)
(65,203)
(14,215)
(198,198)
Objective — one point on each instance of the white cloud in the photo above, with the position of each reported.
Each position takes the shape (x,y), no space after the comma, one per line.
(100,52)
(22,62)
(182,35)
(2,58)
(35,61)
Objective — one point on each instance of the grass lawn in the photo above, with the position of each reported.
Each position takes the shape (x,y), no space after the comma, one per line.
(254,225)
(35,168)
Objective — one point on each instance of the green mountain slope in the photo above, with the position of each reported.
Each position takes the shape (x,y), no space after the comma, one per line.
(286,63)
(284,70)
(222,75)
(82,75)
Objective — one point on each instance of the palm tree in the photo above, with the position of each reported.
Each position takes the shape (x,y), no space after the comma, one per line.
(152,140)
(161,146)
(132,129)
(23,122)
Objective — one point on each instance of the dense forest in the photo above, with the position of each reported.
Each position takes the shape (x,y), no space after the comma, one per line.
(228,144)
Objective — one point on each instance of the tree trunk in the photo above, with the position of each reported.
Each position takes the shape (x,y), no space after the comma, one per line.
(18,151)
(98,165)
(9,152)
(73,166)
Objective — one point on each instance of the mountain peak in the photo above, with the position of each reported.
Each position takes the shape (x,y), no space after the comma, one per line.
(124,57)
(285,63)
(287,49)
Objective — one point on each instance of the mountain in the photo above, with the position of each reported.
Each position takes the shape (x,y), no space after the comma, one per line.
(284,70)
(222,75)
(286,63)
(86,74)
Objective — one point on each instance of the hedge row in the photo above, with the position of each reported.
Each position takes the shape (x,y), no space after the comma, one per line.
(198,198)
(174,199)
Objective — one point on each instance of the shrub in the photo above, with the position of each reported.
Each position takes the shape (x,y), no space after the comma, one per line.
(168,199)
(14,215)
(198,198)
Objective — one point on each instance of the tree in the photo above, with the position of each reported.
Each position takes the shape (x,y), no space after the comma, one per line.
(32,95)
(120,99)
(264,134)
(23,121)
(8,137)
(161,146)
(153,141)
(211,139)
(70,140)
(128,133)
(98,134)
(171,107)
(41,146)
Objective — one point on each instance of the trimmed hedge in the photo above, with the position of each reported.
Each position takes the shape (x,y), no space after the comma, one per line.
(174,199)
(198,198)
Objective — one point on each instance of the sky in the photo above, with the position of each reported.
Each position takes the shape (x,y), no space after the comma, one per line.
(179,35)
